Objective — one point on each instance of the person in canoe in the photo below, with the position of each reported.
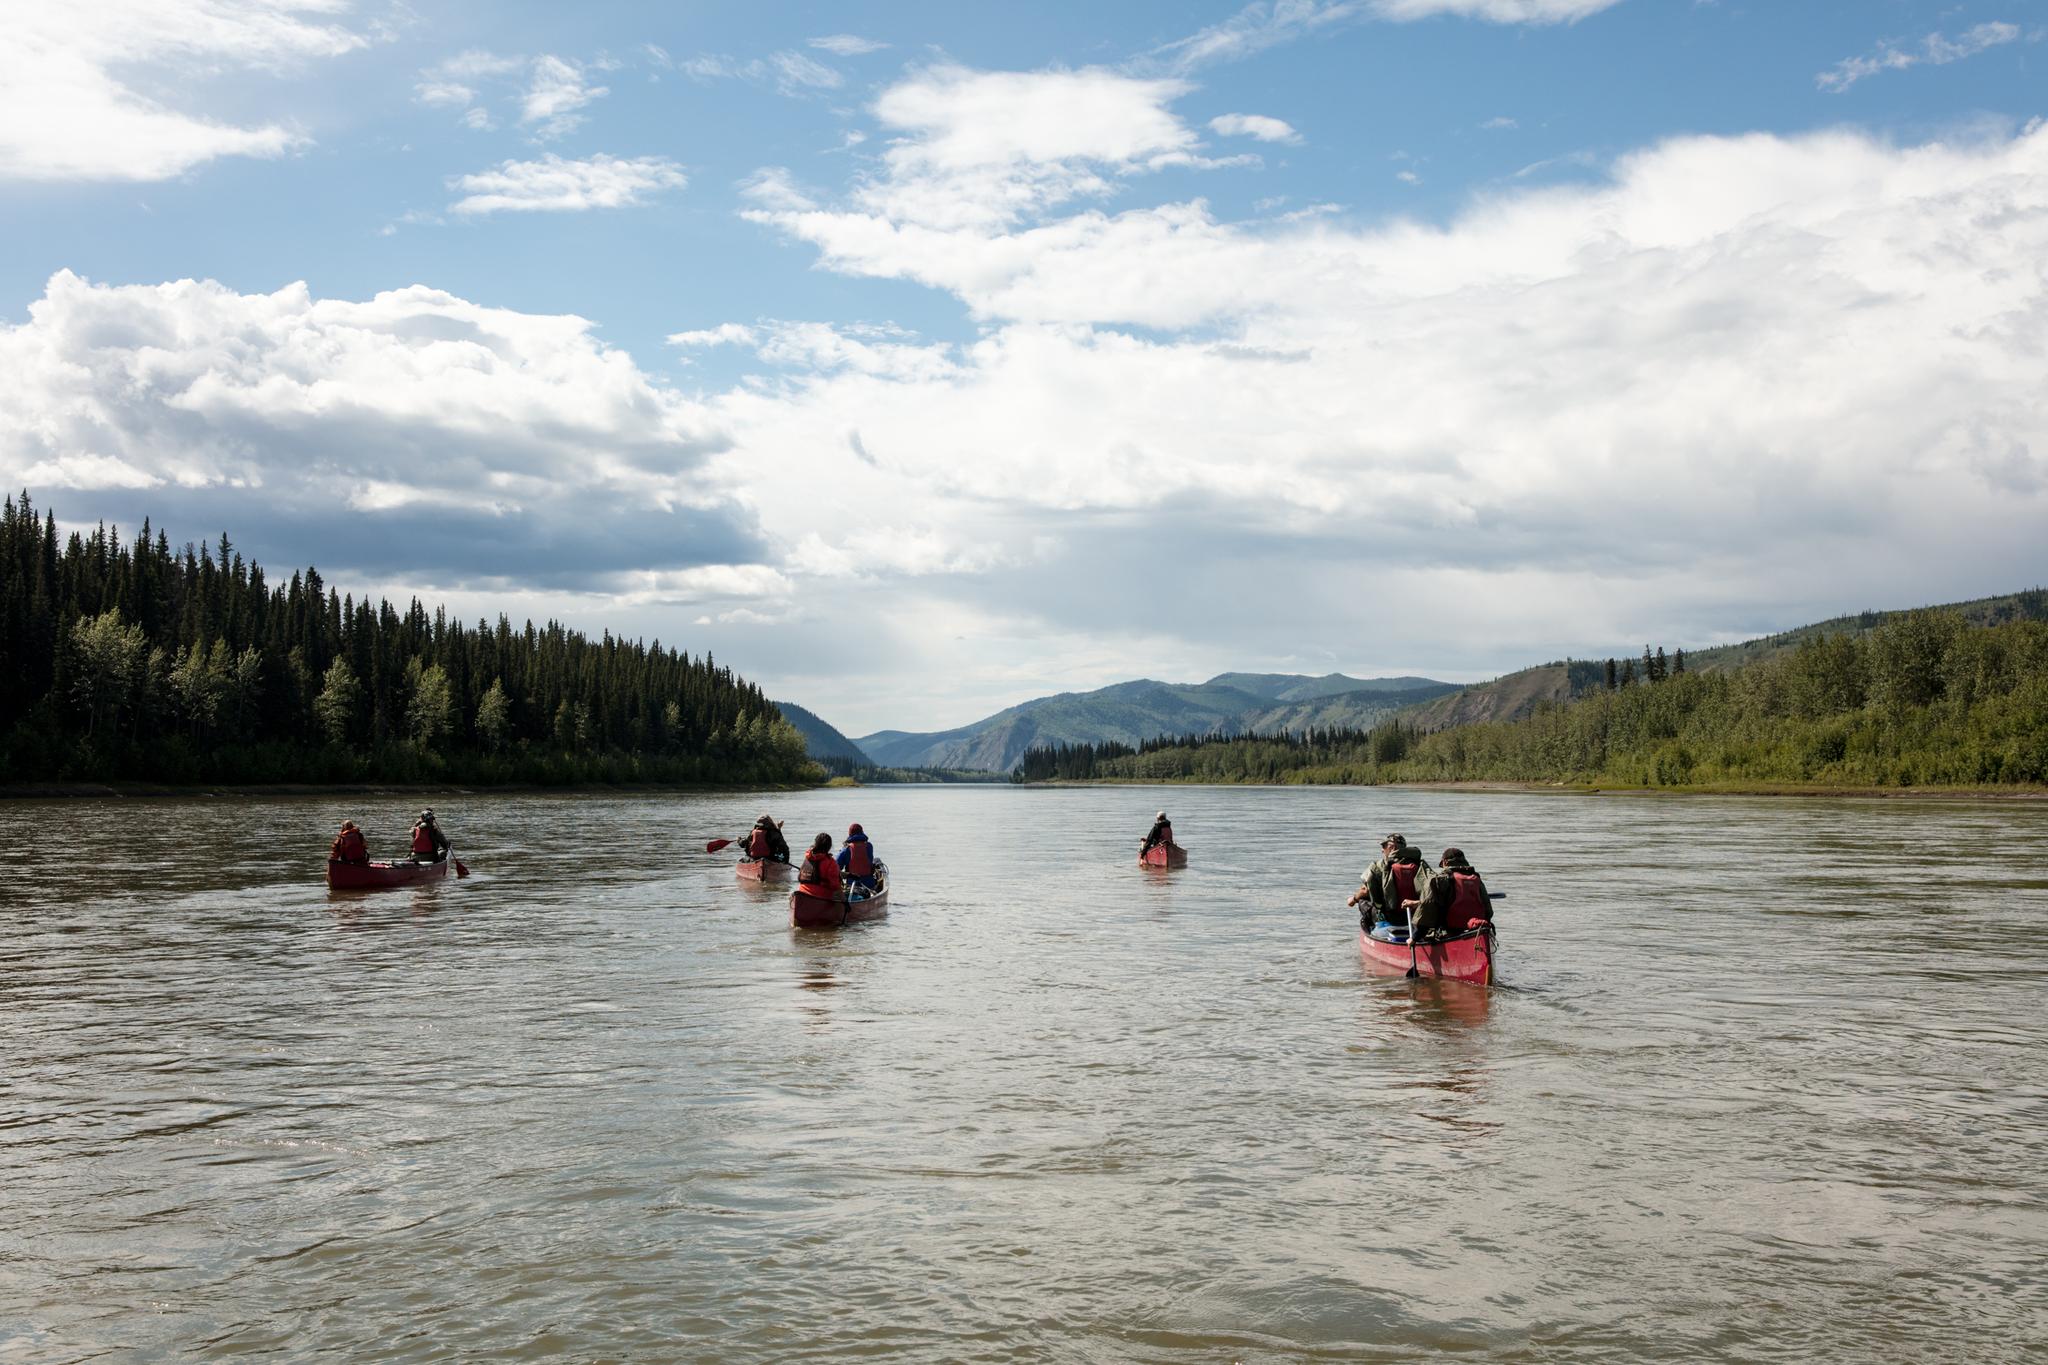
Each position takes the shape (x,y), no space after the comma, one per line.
(1453,900)
(429,844)
(1160,833)
(349,846)
(819,876)
(1389,884)
(857,858)
(765,842)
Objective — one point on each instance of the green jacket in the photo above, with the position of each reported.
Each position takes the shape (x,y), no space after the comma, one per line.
(1438,891)
(1379,885)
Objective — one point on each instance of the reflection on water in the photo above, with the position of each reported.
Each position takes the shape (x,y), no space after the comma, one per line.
(598,1101)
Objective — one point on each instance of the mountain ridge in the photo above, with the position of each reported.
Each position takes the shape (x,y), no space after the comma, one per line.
(1145,708)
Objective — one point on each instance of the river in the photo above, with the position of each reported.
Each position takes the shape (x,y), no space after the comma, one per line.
(1764,1081)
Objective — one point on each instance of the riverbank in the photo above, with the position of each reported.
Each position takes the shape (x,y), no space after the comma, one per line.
(1984,793)
(64,791)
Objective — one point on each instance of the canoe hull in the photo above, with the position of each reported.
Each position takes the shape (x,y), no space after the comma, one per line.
(373,875)
(1164,855)
(764,870)
(815,912)
(1468,957)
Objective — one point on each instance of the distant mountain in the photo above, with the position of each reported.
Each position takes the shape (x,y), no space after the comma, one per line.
(820,739)
(1144,709)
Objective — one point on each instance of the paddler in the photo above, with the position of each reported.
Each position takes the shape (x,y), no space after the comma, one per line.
(349,846)
(857,858)
(429,844)
(1453,901)
(765,842)
(819,875)
(1387,886)
(1160,833)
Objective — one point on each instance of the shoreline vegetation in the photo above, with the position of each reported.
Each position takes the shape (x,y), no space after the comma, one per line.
(1925,702)
(129,662)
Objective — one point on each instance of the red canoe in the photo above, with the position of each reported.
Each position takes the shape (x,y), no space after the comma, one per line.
(1467,957)
(1164,855)
(764,870)
(404,872)
(815,912)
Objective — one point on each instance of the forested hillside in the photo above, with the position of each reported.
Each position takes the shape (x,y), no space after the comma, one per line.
(1131,712)
(134,660)
(1923,699)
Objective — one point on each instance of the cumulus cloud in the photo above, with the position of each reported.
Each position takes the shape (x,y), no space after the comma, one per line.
(553,184)
(985,148)
(1934,50)
(411,431)
(1729,369)
(1260,126)
(72,78)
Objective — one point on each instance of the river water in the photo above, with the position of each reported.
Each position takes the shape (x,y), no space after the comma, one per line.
(1765,1082)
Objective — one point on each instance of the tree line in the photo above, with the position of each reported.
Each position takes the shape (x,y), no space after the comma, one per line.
(132,660)
(1923,699)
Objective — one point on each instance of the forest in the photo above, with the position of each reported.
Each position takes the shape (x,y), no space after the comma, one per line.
(1925,699)
(134,661)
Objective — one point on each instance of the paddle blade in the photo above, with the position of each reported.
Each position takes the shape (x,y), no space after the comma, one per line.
(461,868)
(715,845)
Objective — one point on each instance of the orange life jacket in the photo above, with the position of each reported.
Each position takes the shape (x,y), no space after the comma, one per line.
(860,858)
(815,879)
(757,843)
(1469,907)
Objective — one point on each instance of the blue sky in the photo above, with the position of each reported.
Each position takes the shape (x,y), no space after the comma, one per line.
(1022,349)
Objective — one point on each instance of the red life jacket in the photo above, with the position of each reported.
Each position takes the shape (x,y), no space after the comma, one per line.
(813,877)
(350,848)
(757,843)
(1469,907)
(860,858)
(1402,876)
(422,840)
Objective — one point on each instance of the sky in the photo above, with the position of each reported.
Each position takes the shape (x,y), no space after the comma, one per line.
(919,359)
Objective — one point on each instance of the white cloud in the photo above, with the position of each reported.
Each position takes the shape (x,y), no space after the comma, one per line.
(1772,360)
(452,94)
(83,469)
(1260,126)
(1267,24)
(847,45)
(1934,50)
(986,148)
(553,184)
(72,78)
(791,73)
(477,119)
(1501,124)
(506,430)
(724,334)
(555,91)
(1408,177)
